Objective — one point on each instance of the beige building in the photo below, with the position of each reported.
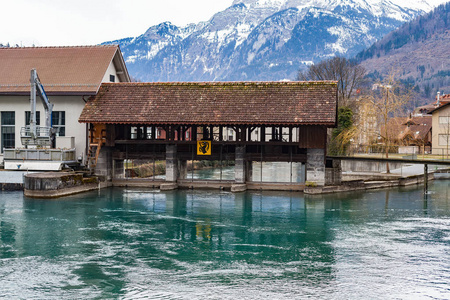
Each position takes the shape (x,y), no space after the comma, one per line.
(367,124)
(70,75)
(441,129)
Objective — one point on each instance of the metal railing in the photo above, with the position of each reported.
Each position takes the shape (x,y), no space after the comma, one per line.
(42,137)
(40,154)
(398,152)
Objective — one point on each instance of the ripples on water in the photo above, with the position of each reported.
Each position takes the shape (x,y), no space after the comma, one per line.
(132,244)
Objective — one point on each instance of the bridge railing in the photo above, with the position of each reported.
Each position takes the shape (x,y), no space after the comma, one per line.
(397,152)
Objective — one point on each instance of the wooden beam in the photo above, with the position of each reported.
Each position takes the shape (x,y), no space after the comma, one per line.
(194,133)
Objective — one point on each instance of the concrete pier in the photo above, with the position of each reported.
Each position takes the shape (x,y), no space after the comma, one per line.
(240,165)
(315,166)
(57,184)
(104,167)
(172,169)
(171,163)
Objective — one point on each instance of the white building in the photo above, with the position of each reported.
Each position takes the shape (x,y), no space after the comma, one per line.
(70,75)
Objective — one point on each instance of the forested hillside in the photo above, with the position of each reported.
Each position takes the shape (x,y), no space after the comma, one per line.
(419,51)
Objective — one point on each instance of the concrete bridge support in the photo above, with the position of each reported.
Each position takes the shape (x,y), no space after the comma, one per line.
(104,166)
(315,166)
(175,168)
(172,168)
(241,170)
(171,163)
(240,165)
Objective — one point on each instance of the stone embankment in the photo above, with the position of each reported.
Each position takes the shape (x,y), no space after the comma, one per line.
(357,181)
(359,185)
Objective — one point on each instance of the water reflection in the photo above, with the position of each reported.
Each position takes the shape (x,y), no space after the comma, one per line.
(128,243)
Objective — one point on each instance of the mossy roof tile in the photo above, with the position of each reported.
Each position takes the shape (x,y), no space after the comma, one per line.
(225,103)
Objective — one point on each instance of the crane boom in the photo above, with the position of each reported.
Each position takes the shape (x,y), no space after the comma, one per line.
(33,134)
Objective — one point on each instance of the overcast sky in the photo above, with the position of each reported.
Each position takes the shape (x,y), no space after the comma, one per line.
(88,22)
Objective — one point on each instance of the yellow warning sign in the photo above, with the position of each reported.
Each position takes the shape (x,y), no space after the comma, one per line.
(203,147)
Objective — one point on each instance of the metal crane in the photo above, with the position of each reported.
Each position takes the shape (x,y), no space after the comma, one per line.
(36,158)
(33,134)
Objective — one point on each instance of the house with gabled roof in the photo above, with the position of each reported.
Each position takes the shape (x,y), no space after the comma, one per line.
(70,75)
(441,126)
(411,134)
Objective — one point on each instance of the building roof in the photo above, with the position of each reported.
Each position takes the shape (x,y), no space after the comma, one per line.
(417,127)
(443,99)
(277,103)
(443,102)
(62,70)
(424,110)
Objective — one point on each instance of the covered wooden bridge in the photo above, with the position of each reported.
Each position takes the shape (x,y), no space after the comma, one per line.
(240,121)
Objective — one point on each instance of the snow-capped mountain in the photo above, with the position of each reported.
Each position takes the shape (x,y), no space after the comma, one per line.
(263,39)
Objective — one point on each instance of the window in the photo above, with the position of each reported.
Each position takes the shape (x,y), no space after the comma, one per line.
(230,134)
(59,122)
(112,78)
(444,139)
(8,129)
(134,133)
(28,117)
(444,120)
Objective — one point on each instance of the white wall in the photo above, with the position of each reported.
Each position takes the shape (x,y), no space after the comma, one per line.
(72,105)
(111,71)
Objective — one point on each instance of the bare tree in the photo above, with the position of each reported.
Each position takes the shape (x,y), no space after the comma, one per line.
(388,99)
(349,75)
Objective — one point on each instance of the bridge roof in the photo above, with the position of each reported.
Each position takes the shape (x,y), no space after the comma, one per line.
(214,103)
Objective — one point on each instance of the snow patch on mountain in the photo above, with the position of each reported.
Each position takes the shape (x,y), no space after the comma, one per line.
(263,39)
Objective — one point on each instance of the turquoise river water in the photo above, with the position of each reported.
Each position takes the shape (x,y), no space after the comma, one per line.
(145,244)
